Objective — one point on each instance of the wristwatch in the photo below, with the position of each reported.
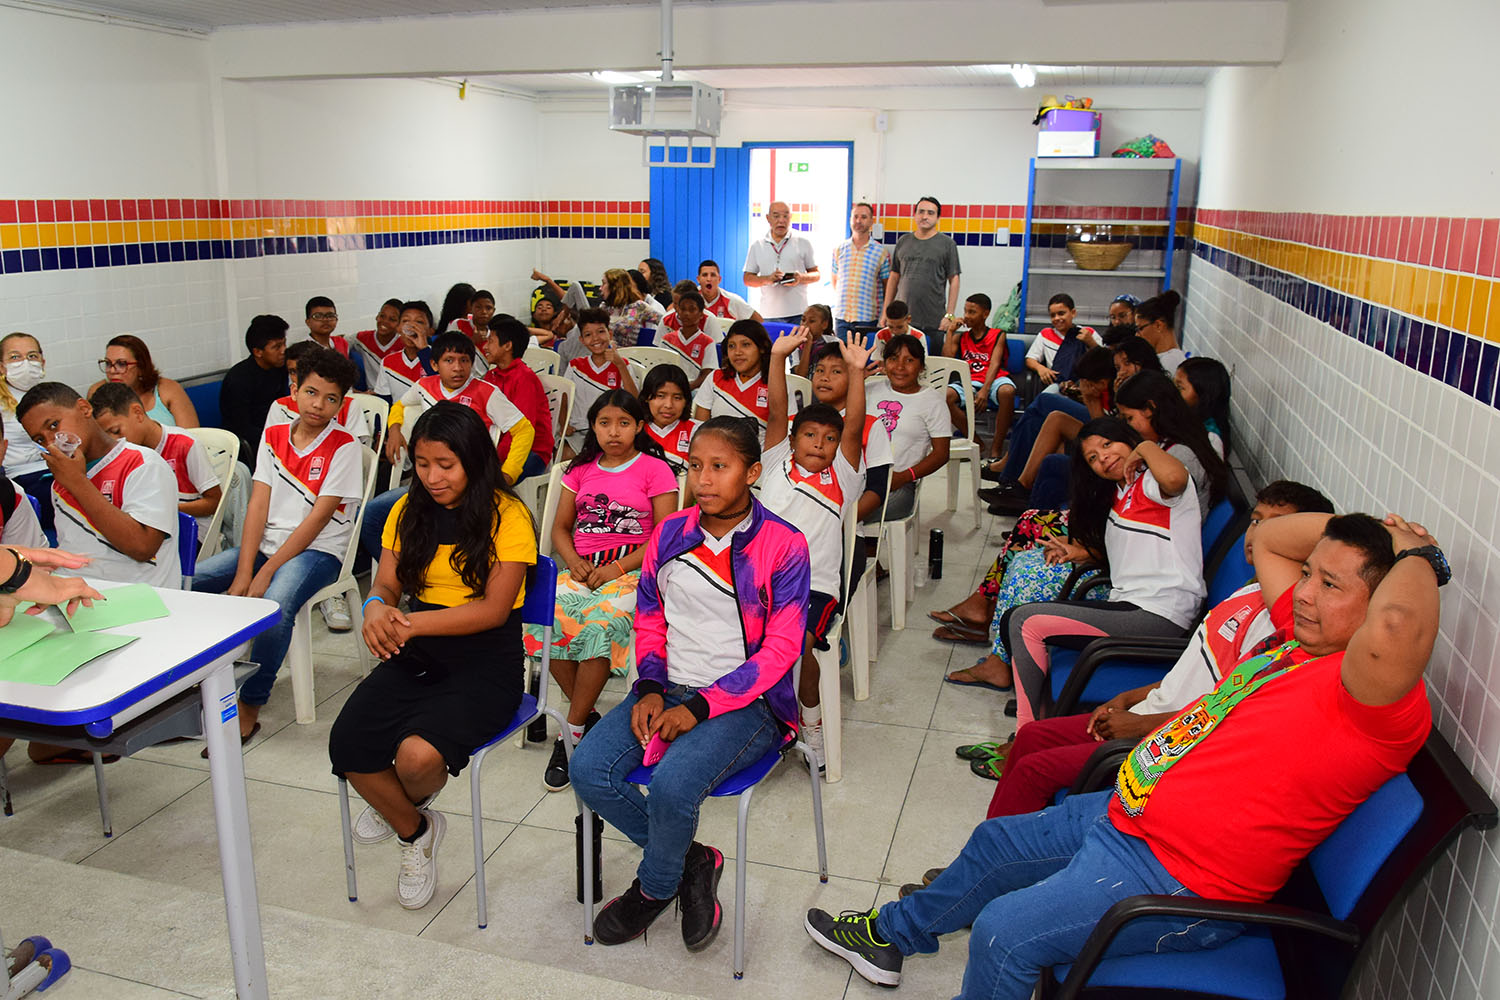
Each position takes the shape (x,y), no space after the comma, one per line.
(1431,553)
(20,576)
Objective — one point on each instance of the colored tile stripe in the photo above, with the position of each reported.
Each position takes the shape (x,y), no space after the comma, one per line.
(1468,363)
(979,225)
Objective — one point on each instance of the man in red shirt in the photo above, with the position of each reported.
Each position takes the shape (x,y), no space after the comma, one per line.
(503,347)
(1222,801)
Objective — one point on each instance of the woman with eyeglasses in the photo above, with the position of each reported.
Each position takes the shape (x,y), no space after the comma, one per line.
(127,359)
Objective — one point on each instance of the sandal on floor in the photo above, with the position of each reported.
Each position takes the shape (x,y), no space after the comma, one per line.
(989,768)
(949,618)
(982,751)
(72,756)
(976,683)
(961,636)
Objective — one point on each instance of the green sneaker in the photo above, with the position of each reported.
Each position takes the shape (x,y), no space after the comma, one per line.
(851,936)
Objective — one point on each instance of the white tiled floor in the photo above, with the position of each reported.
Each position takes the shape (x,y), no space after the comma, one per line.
(155,927)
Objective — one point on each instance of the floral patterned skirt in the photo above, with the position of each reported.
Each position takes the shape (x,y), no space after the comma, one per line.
(591,623)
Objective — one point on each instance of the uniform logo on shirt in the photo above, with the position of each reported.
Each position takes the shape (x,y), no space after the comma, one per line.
(465,399)
(890,413)
(683,440)
(1232,627)
(108,489)
(315,468)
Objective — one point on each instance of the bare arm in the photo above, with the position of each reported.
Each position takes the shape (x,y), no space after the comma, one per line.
(562,536)
(1388,654)
(855,355)
(935,460)
(491,610)
(1281,546)
(176,400)
(205,505)
(953,295)
(1171,475)
(777,405)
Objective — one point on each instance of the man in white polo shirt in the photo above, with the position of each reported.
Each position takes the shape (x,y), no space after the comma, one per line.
(781,265)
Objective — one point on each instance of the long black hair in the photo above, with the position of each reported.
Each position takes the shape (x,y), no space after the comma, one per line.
(661,375)
(1175,423)
(1210,380)
(622,400)
(458,427)
(753,331)
(455,305)
(1139,352)
(1091,495)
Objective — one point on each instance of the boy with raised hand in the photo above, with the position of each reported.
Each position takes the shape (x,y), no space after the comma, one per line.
(118,410)
(115,502)
(811,477)
(401,369)
(308,483)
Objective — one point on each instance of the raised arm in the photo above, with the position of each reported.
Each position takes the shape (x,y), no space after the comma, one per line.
(1171,475)
(1282,545)
(777,404)
(856,355)
(1388,654)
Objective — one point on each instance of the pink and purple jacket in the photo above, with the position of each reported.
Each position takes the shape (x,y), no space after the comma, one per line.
(772,575)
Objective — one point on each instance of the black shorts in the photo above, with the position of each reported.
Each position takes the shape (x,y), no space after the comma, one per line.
(456,692)
(821,610)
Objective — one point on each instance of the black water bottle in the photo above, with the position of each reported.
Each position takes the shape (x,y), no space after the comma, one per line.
(578,850)
(935,554)
(536,732)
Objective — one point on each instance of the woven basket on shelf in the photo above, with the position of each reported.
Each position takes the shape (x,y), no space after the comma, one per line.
(1098,256)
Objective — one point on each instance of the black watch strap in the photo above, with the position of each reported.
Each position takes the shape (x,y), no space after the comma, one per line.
(1434,557)
(20,576)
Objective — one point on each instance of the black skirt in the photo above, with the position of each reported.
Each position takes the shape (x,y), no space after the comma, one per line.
(456,692)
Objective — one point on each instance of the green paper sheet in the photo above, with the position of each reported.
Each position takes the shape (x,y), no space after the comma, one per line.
(58,655)
(22,631)
(127,605)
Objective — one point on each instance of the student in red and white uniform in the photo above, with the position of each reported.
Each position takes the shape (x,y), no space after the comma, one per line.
(1063,336)
(685,332)
(594,374)
(401,369)
(18,521)
(372,347)
(1049,753)
(308,483)
(665,394)
(119,411)
(810,476)
(114,501)
(476,326)
(720,301)
(322,320)
(897,323)
(713,325)
(739,388)
(284,410)
(1136,509)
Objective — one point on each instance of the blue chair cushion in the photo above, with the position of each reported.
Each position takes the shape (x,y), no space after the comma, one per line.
(736,783)
(524,713)
(1346,862)
(205,398)
(1246,967)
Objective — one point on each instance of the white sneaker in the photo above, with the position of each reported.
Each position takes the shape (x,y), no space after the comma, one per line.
(812,737)
(418,878)
(336,614)
(372,828)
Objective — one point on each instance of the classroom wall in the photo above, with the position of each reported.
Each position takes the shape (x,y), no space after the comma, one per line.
(1346,270)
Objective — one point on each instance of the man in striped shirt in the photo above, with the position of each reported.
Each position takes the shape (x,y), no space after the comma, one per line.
(860,269)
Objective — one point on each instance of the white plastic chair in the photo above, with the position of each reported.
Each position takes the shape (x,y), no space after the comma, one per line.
(299,654)
(377,413)
(649,357)
(902,544)
(543,360)
(940,374)
(863,617)
(560,401)
(223,448)
(799,393)
(829,688)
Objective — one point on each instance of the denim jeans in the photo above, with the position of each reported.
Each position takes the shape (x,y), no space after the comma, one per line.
(299,578)
(1023,433)
(1050,491)
(1032,887)
(663,823)
(373,526)
(843,327)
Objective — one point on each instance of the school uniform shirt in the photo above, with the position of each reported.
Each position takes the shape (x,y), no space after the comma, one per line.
(883,336)
(591,382)
(1155,552)
(674,439)
(1171,358)
(398,373)
(694,353)
(328,466)
(351,417)
(729,306)
(711,324)
(465,325)
(977,353)
(814,502)
(22,527)
(912,419)
(338,343)
(185,455)
(508,426)
(704,638)
(1045,346)
(727,395)
(372,354)
(765,257)
(140,483)
(1232,631)
(875,444)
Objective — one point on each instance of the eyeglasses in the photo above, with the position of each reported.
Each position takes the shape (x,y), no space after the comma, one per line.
(15,356)
(323,316)
(116,366)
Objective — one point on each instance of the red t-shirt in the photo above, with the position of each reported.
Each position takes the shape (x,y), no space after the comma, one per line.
(522,387)
(1238,811)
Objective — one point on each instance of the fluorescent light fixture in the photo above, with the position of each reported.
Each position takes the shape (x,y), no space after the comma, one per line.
(612,77)
(1023,74)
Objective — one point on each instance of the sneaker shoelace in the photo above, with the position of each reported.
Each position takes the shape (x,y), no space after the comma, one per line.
(412,860)
(854,926)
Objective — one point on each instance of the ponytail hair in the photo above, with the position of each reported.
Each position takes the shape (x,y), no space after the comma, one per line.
(1175,423)
(622,400)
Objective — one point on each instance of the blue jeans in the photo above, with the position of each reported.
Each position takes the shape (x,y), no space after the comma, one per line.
(299,578)
(1023,433)
(663,823)
(1032,887)
(842,327)
(376,511)
(1050,491)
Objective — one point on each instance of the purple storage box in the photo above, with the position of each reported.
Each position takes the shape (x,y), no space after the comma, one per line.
(1070,120)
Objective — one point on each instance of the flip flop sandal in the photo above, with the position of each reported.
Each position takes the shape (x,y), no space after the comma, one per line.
(73,756)
(981,751)
(952,679)
(962,637)
(988,768)
(949,618)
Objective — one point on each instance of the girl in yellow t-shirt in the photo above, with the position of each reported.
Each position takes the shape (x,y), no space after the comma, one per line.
(457,545)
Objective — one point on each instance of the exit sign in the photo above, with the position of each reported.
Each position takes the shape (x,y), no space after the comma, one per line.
(796,168)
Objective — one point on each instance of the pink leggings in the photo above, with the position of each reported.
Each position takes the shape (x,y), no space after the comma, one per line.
(1031,625)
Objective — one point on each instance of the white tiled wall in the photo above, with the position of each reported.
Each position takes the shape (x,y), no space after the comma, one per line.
(1315,405)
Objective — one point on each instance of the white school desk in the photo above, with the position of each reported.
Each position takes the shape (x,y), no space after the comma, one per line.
(196,645)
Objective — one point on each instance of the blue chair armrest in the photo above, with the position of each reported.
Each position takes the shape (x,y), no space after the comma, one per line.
(1137,907)
(1100,651)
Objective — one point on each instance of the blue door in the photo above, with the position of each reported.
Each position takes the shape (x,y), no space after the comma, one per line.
(700,214)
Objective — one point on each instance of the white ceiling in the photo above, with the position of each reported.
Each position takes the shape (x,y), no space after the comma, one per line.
(810,77)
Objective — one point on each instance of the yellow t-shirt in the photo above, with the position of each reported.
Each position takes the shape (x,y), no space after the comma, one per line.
(514,541)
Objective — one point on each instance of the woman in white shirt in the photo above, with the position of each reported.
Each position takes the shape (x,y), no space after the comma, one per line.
(25,366)
(916,418)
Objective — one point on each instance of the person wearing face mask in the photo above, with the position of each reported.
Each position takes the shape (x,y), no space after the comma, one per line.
(21,353)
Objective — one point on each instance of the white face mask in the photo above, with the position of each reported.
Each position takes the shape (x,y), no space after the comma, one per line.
(24,374)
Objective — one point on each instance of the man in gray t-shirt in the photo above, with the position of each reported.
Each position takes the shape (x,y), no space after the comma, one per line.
(924,274)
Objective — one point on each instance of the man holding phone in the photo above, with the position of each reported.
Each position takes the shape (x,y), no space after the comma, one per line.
(781,265)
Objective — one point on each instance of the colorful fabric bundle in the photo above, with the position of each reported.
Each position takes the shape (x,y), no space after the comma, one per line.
(1146,147)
